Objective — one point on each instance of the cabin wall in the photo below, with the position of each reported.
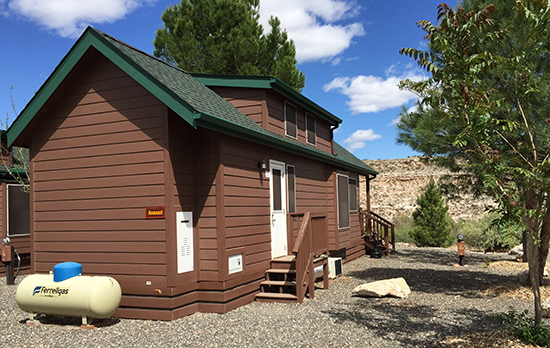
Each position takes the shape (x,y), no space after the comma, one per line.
(97,160)
(276,117)
(247,198)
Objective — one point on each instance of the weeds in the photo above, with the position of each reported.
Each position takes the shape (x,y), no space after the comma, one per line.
(525,329)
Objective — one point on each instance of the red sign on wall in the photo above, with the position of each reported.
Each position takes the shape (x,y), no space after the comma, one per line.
(155,213)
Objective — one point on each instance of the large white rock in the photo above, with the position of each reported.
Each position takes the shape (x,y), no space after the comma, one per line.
(516,250)
(396,287)
(546,308)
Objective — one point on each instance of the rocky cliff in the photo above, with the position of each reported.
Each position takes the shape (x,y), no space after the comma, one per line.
(401,181)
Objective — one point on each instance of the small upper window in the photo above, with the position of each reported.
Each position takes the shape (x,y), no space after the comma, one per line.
(290,121)
(311,137)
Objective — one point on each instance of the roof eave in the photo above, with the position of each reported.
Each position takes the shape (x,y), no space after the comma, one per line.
(272,83)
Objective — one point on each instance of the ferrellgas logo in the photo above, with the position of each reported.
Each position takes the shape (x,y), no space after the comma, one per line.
(45,291)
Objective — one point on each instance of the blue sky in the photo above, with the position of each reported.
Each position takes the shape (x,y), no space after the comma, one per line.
(349,51)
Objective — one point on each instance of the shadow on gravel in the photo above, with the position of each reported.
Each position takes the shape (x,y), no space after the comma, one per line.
(452,282)
(439,256)
(411,324)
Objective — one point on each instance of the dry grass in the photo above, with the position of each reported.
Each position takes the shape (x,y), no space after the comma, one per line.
(499,338)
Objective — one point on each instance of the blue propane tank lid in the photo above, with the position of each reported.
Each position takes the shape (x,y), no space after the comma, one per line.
(66,270)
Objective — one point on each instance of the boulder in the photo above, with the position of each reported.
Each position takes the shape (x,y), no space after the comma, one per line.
(516,250)
(546,308)
(396,287)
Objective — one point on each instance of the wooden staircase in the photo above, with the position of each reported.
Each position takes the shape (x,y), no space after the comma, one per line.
(378,233)
(280,283)
(290,277)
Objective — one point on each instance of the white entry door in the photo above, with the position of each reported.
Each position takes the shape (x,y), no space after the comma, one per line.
(277,186)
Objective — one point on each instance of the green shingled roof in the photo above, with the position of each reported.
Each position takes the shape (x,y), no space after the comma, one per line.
(183,93)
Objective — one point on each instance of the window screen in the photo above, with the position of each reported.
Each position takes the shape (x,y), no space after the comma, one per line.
(343,201)
(291,185)
(310,126)
(277,199)
(290,120)
(18,211)
(352,194)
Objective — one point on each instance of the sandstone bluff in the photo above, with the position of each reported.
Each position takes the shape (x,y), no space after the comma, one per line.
(401,181)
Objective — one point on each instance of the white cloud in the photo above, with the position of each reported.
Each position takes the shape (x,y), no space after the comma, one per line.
(374,93)
(359,138)
(413,108)
(312,25)
(70,17)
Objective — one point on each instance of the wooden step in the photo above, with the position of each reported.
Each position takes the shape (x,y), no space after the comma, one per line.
(278,283)
(275,297)
(281,271)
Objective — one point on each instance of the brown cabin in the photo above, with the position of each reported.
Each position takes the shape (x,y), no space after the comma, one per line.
(197,193)
(14,202)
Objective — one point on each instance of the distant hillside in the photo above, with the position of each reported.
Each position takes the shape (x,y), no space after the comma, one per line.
(402,181)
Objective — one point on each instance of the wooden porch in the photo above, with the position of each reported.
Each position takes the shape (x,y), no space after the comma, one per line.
(292,276)
(379,233)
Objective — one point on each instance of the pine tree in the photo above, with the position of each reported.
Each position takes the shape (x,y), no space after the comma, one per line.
(432,226)
(224,37)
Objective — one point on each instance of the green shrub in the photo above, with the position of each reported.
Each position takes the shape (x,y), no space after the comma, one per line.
(525,329)
(432,225)
(485,234)
(403,226)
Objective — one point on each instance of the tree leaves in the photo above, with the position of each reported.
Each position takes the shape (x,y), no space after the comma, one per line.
(224,37)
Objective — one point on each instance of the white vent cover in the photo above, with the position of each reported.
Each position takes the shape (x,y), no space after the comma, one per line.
(184,232)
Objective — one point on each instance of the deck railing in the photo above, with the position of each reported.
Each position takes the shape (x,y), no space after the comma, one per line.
(377,229)
(311,240)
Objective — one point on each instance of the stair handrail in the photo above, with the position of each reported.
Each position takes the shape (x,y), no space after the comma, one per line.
(371,221)
(303,253)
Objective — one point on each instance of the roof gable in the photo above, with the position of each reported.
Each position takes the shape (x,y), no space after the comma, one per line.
(181,92)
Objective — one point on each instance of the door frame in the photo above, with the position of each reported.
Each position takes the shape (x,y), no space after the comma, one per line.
(278,218)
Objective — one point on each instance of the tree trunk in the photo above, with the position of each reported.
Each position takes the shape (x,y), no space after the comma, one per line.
(533,259)
(543,247)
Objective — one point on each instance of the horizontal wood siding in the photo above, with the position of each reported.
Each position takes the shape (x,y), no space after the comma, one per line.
(207,146)
(97,162)
(275,124)
(247,211)
(247,100)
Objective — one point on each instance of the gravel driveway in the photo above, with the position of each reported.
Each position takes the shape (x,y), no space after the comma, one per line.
(445,301)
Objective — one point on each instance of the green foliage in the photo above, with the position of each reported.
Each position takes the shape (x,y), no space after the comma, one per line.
(486,234)
(485,108)
(403,226)
(525,329)
(432,225)
(224,37)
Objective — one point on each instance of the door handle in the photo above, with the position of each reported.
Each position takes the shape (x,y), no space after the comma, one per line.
(272,219)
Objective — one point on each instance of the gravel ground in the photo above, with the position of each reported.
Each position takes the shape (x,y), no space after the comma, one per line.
(445,302)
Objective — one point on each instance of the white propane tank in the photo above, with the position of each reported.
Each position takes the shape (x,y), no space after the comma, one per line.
(94,297)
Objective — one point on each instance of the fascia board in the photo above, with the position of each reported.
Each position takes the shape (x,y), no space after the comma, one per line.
(93,39)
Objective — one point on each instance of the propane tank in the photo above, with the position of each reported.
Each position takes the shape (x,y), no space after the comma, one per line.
(66,292)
